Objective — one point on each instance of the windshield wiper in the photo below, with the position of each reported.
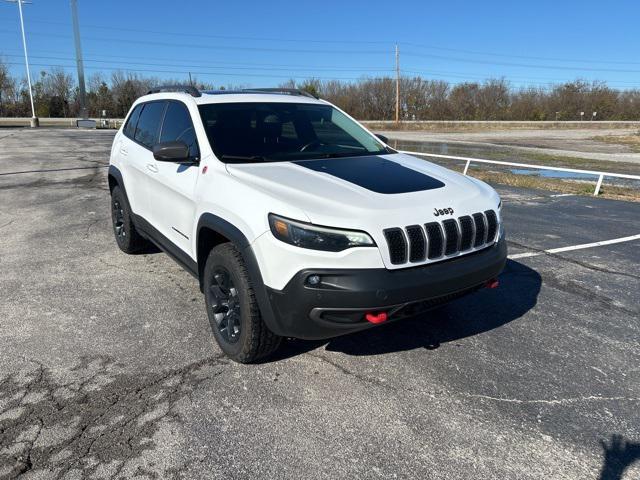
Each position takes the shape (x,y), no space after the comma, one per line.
(243,158)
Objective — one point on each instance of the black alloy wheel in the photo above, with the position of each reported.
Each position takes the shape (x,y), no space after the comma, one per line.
(118,219)
(225,304)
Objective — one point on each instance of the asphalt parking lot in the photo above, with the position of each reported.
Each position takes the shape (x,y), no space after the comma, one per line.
(108,368)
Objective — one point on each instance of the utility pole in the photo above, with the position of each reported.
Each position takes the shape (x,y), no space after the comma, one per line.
(34,119)
(81,85)
(397,85)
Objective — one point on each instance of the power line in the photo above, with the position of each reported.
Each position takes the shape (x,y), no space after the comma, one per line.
(346,52)
(528,57)
(210,47)
(294,75)
(182,60)
(186,71)
(229,37)
(526,65)
(285,68)
(341,41)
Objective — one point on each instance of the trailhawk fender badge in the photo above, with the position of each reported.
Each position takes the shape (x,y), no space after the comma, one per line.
(442,211)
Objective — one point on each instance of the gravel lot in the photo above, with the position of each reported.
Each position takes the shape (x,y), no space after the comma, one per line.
(108,368)
(579,143)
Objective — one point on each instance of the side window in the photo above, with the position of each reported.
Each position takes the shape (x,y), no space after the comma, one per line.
(149,124)
(130,127)
(177,125)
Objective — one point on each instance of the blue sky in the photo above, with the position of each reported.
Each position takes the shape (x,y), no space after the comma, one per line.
(264,43)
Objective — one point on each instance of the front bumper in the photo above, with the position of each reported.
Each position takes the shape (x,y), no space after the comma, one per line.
(337,305)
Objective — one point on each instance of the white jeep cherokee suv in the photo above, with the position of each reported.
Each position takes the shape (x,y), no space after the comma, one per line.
(295,219)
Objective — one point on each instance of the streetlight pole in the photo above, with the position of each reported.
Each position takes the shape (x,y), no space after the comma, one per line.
(397,85)
(81,84)
(34,119)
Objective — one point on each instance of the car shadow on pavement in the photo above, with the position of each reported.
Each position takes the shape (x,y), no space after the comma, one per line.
(619,453)
(479,312)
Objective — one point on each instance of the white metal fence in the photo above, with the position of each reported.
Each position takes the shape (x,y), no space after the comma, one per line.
(469,161)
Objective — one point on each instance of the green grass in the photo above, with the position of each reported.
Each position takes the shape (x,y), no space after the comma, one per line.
(631,141)
(519,156)
(556,185)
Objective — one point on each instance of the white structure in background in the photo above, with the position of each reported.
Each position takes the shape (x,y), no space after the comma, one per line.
(34,118)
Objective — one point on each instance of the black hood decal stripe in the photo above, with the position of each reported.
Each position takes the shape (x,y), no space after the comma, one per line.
(374,173)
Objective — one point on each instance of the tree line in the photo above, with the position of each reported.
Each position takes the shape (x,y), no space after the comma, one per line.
(56,95)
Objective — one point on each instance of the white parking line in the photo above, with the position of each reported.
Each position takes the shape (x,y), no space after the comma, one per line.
(575,247)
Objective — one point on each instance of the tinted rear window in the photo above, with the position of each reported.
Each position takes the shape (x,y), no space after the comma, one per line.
(149,124)
(130,127)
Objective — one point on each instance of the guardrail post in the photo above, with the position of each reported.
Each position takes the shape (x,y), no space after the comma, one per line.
(466,167)
(598,185)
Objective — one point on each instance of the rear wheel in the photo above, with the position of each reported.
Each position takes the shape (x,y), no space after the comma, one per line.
(127,237)
(232,308)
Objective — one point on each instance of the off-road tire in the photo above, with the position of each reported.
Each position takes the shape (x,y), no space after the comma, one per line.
(254,341)
(127,237)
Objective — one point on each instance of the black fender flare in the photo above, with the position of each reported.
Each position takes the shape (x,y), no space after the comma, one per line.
(235,236)
(117,175)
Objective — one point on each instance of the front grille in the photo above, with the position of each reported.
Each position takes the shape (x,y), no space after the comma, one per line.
(437,239)
(417,243)
(451,233)
(481,229)
(397,245)
(466,233)
(492,225)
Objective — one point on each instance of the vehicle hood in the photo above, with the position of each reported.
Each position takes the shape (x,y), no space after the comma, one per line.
(368,193)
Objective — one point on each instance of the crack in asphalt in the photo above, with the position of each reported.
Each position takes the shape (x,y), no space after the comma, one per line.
(102,416)
(370,380)
(556,401)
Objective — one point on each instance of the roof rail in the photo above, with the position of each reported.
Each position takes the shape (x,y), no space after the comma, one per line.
(286,91)
(191,90)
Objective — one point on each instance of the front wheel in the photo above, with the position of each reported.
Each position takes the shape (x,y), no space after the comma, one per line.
(127,237)
(232,308)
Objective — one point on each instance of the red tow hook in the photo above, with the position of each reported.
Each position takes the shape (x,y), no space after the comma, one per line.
(376,317)
(493,283)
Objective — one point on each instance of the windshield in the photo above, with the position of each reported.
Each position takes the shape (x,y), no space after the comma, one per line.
(271,132)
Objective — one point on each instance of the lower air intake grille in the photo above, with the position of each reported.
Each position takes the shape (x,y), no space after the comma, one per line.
(415,243)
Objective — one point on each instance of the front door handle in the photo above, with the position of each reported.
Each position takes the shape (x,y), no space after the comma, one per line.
(152,168)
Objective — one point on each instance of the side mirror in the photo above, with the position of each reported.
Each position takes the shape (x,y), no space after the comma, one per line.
(171,152)
(384,139)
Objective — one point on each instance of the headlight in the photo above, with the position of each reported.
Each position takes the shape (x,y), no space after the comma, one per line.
(306,235)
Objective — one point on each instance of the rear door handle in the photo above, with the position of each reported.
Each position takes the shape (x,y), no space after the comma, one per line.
(123,151)
(152,168)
